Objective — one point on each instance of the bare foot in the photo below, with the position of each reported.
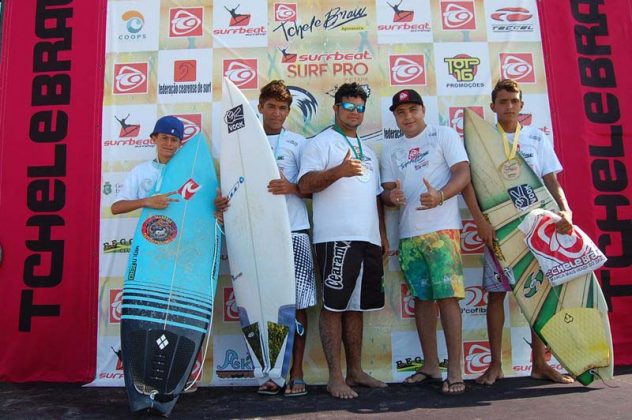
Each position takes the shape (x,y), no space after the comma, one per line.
(341,390)
(491,375)
(364,379)
(547,373)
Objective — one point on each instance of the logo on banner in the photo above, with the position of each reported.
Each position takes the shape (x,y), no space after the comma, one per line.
(192,125)
(231,313)
(517,66)
(458,15)
(475,301)
(285,12)
(523,196)
(471,243)
(462,67)
(242,72)
(336,63)
(109,189)
(116,305)
(159,230)
(130,78)
(334,18)
(455,116)
(184,70)
(127,130)
(116,246)
(478,356)
(234,118)
(186,22)
(237,19)
(512,19)
(235,366)
(287,57)
(409,69)
(407,302)
(188,189)
(526,119)
(304,101)
(134,22)
(401,15)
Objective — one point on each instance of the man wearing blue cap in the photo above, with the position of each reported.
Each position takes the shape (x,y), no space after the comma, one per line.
(145,178)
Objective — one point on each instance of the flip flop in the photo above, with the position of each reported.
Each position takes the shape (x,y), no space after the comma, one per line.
(450,385)
(426,379)
(291,384)
(269,388)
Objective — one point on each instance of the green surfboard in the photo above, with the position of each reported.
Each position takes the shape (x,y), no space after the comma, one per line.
(572,319)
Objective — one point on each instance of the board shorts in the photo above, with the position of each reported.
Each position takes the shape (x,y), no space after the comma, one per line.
(303,270)
(353,275)
(494,280)
(432,265)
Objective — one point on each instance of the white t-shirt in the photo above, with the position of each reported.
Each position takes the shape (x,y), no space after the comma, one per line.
(536,148)
(347,209)
(287,147)
(141,180)
(428,155)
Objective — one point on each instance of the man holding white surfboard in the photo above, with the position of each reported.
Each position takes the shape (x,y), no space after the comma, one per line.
(538,152)
(349,236)
(274,105)
(422,174)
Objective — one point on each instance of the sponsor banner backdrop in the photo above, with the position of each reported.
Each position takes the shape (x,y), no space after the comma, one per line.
(51,90)
(451,51)
(586,45)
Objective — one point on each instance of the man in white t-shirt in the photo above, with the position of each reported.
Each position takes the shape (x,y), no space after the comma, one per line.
(538,152)
(145,178)
(342,173)
(422,174)
(274,105)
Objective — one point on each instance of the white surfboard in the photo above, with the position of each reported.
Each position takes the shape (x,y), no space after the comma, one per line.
(258,237)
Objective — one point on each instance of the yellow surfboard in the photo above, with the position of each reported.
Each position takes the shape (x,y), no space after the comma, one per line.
(572,319)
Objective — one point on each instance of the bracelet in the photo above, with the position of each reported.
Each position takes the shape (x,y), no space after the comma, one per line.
(442,198)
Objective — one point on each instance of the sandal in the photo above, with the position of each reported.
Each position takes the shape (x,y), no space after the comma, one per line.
(269,388)
(291,384)
(450,385)
(425,379)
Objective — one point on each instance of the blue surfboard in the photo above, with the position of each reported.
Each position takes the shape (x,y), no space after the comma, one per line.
(170,282)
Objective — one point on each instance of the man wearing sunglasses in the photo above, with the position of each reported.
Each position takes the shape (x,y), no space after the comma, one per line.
(349,236)
(422,174)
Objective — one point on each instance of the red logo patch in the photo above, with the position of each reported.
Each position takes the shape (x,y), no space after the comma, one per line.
(285,12)
(238,19)
(471,243)
(409,69)
(475,296)
(188,190)
(478,356)
(130,78)
(184,71)
(456,116)
(517,66)
(192,125)
(116,305)
(407,302)
(242,72)
(458,15)
(231,313)
(186,22)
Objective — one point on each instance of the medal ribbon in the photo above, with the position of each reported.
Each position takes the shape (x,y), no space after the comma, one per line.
(339,130)
(514,147)
(276,146)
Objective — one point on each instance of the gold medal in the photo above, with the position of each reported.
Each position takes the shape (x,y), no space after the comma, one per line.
(510,169)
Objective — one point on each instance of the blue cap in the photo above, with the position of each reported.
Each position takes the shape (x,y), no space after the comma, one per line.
(169,125)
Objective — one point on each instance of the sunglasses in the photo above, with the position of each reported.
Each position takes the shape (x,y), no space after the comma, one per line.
(350,107)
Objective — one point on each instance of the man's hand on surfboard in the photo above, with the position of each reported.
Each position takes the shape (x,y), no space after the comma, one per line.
(221,205)
(160,201)
(431,198)
(486,232)
(282,186)
(350,167)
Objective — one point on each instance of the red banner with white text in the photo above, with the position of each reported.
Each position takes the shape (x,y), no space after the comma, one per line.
(51,85)
(588,59)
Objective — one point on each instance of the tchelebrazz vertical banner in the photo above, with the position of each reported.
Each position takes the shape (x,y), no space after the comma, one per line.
(50,112)
(587,51)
